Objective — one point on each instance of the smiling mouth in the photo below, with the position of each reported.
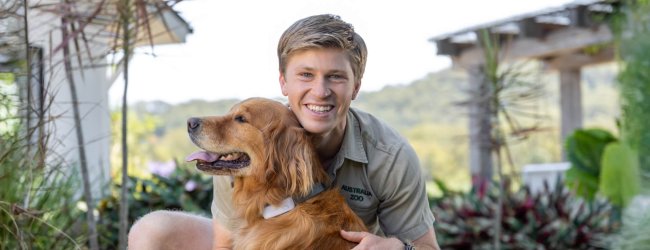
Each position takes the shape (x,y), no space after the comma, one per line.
(319,108)
(208,161)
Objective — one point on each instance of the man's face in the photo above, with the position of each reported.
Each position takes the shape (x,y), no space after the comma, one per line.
(320,86)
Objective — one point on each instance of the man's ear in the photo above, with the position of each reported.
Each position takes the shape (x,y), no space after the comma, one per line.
(283,84)
(357,87)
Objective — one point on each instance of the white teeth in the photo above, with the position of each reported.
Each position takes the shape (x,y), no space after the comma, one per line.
(317,108)
(230,157)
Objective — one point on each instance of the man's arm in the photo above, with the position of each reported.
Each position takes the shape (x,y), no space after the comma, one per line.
(222,237)
(427,241)
(222,210)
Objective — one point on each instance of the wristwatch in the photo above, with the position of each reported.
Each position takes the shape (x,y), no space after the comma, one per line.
(408,246)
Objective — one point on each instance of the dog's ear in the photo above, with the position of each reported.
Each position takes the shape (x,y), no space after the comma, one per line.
(291,159)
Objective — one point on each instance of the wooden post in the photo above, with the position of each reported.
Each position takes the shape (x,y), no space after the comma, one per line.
(480,153)
(570,103)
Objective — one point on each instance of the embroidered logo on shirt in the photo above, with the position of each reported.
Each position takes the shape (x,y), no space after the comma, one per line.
(356,194)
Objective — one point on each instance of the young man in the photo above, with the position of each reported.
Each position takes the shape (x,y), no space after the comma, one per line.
(322,61)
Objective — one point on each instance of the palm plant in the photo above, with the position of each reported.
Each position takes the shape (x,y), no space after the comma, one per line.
(507,95)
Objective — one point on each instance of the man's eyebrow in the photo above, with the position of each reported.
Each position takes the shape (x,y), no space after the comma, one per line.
(332,71)
(337,71)
(308,68)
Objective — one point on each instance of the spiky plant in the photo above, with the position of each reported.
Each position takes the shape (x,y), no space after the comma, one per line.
(553,218)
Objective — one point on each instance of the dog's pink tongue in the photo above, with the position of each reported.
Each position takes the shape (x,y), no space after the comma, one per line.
(203,156)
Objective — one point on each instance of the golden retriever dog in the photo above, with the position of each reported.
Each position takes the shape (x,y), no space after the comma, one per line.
(274,166)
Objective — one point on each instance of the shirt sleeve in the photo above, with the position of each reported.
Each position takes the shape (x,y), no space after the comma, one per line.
(404,210)
(222,207)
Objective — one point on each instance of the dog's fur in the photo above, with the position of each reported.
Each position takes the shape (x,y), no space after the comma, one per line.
(274,160)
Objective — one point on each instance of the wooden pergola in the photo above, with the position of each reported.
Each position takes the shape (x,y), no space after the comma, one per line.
(565,39)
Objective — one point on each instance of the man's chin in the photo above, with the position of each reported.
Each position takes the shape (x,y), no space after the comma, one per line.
(317,130)
(317,127)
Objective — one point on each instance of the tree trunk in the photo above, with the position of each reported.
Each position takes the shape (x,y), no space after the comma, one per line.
(92,228)
(124,202)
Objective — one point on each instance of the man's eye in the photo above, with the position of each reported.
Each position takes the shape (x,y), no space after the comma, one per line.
(337,78)
(240,119)
(306,75)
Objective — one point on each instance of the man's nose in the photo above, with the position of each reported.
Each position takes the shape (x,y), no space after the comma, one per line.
(321,88)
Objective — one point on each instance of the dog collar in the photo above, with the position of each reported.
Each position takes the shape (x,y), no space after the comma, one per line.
(288,204)
(316,189)
(271,211)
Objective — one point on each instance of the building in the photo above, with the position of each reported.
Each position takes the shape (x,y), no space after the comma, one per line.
(565,39)
(94,39)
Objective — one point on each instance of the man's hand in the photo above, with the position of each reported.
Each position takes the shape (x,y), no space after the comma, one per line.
(370,241)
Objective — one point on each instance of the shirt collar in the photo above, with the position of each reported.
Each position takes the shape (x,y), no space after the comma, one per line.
(352,146)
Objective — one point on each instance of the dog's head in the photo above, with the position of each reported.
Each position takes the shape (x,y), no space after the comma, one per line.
(258,138)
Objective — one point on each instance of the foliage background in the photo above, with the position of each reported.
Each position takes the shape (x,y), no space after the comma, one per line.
(433,122)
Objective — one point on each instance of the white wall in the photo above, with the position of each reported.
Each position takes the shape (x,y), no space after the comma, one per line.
(92,91)
(91,86)
(534,175)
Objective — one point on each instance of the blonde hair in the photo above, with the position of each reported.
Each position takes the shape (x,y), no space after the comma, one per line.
(323,31)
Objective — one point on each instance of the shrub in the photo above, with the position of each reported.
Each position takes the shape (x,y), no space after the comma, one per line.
(635,231)
(601,164)
(551,219)
(37,198)
(634,79)
(37,208)
(183,189)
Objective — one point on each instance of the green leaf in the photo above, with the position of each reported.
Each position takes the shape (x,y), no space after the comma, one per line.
(585,149)
(582,183)
(441,185)
(619,180)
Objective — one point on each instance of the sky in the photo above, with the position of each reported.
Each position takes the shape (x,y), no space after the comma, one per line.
(232,51)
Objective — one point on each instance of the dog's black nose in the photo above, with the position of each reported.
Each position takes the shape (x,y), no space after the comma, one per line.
(193,124)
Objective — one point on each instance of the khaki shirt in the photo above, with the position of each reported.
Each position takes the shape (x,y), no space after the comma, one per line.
(377,172)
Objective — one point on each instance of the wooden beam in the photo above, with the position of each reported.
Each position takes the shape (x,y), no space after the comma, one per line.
(570,102)
(580,17)
(559,42)
(529,28)
(480,144)
(579,60)
(446,47)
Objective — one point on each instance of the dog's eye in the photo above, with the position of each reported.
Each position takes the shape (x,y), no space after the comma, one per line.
(240,119)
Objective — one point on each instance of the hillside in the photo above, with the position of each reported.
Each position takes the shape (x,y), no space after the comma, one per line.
(428,100)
